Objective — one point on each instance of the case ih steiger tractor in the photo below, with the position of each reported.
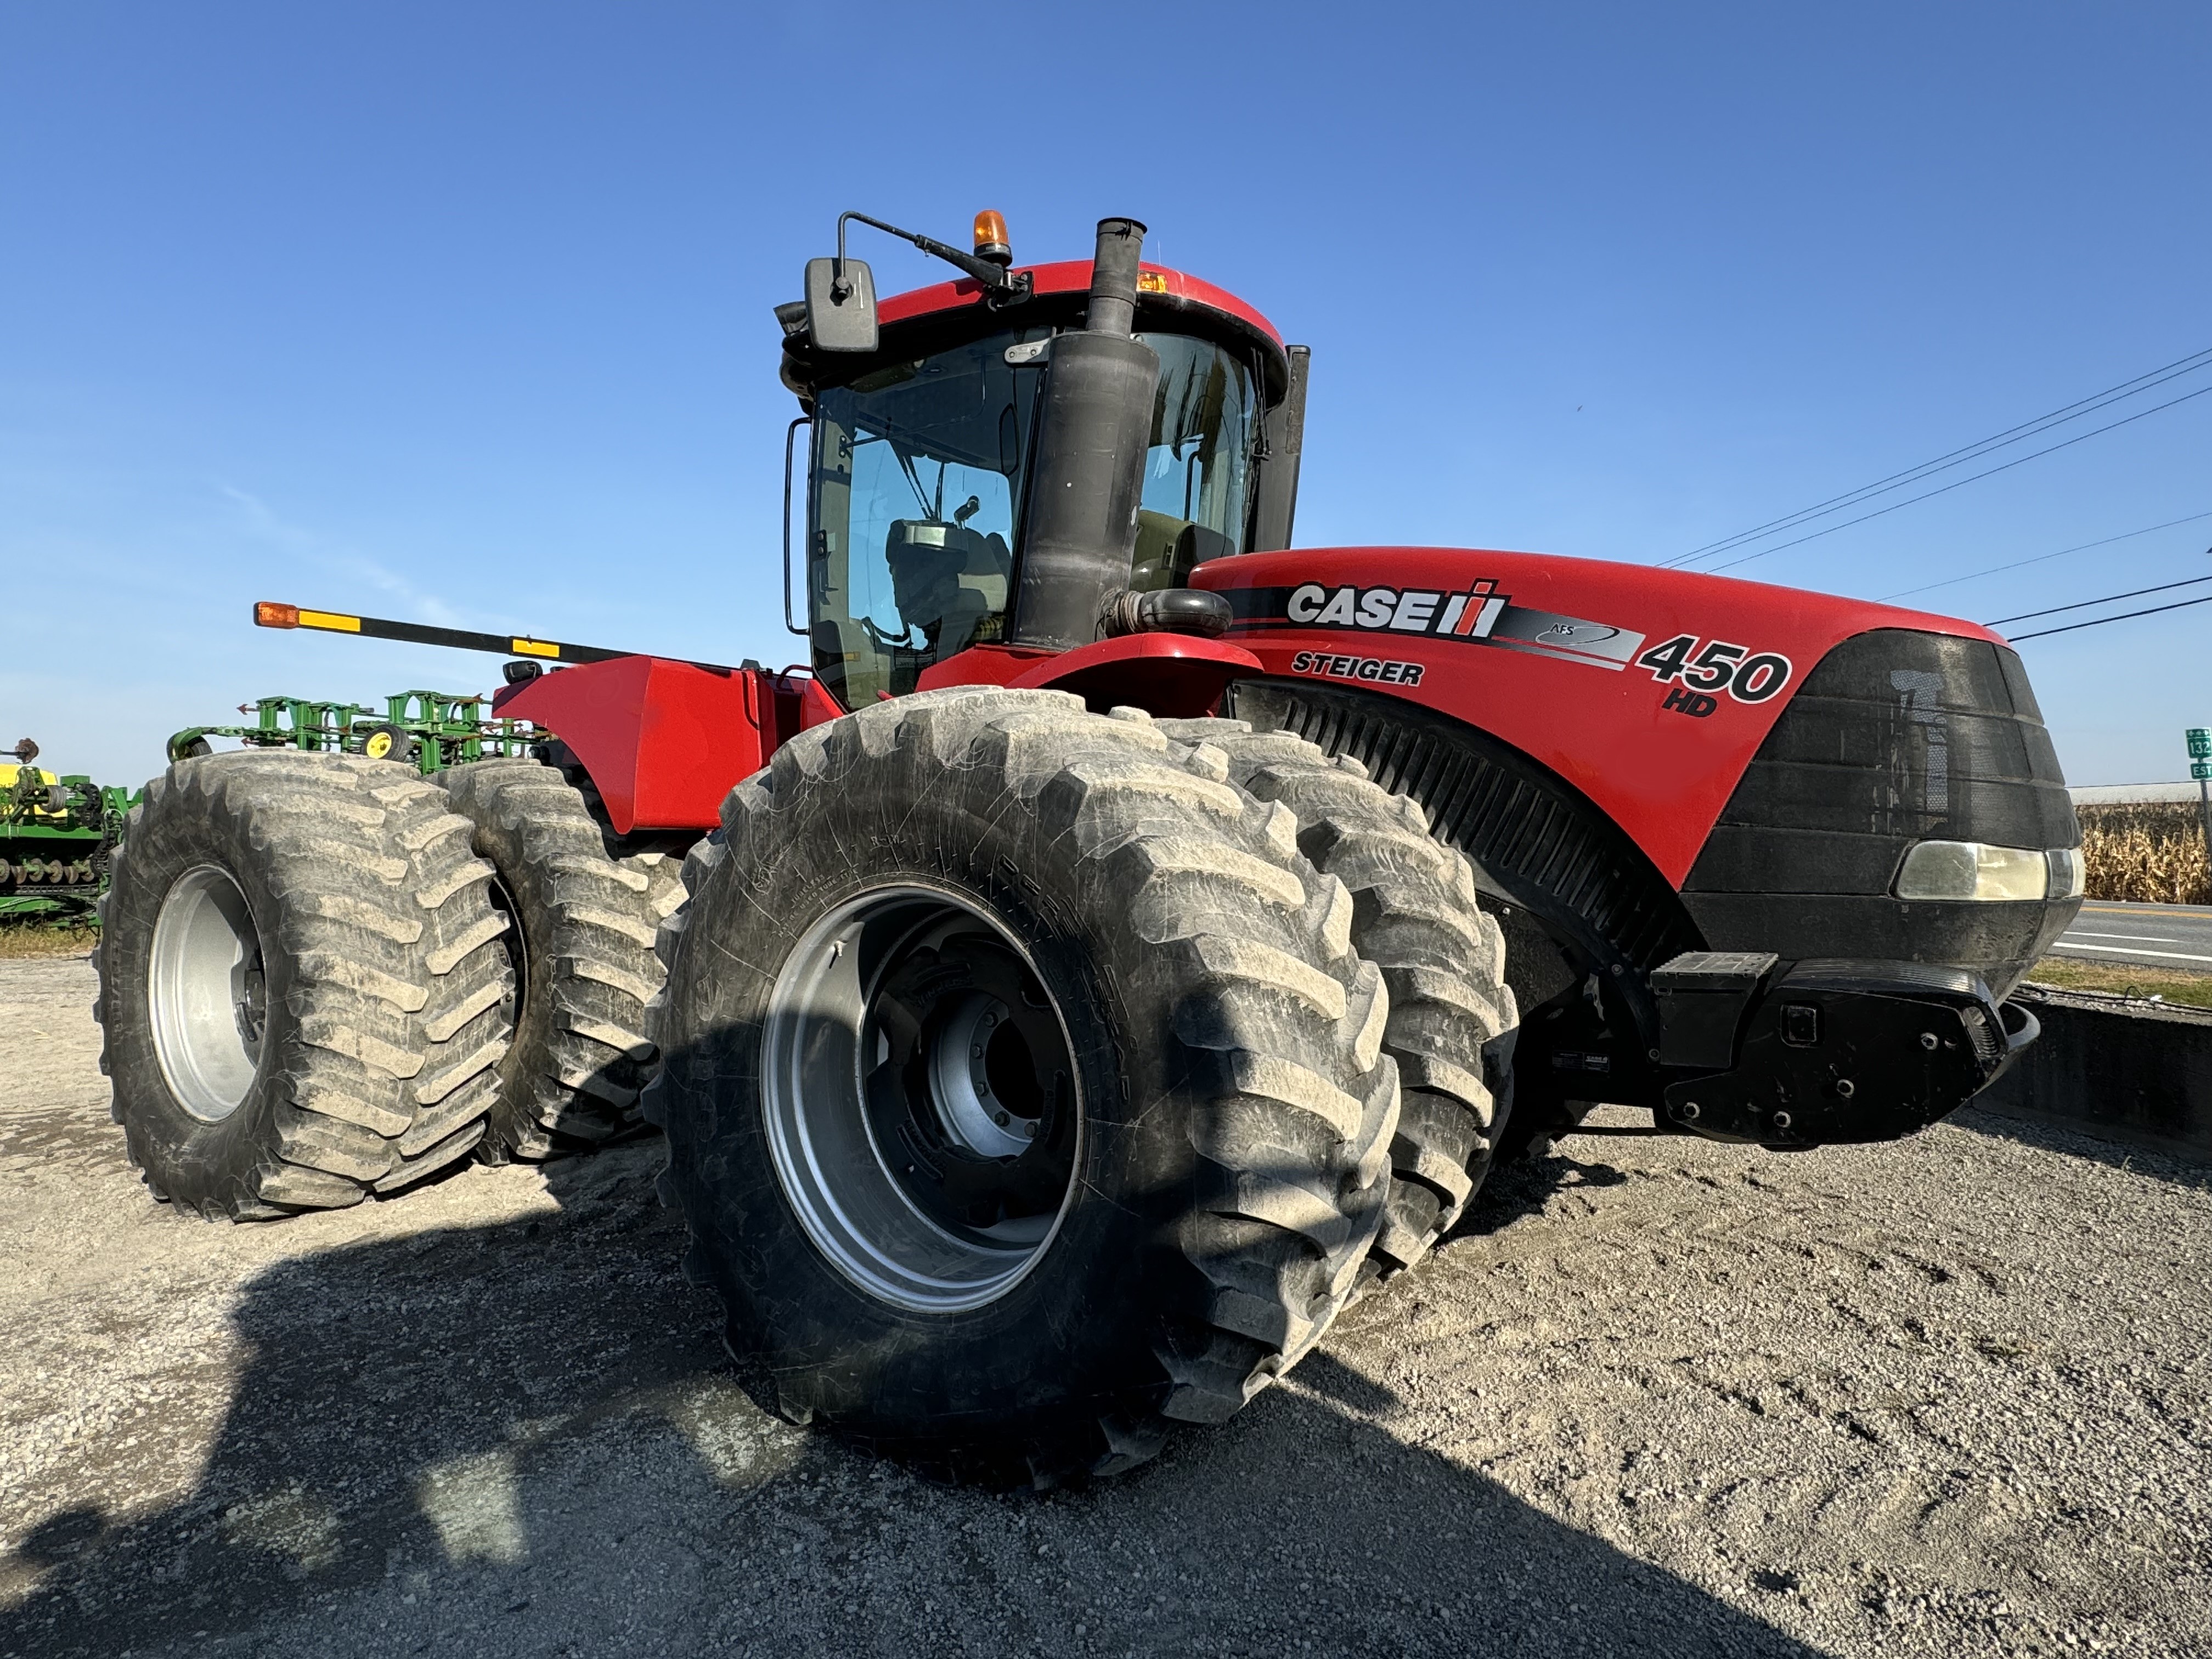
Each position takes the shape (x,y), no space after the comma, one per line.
(1124,941)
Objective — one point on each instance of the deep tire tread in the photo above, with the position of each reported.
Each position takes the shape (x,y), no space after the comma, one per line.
(394,967)
(1415,917)
(1279,1018)
(580,1057)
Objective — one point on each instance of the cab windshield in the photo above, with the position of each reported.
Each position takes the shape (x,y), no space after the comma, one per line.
(919,476)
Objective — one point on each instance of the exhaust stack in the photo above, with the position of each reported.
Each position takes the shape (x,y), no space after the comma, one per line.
(1080,532)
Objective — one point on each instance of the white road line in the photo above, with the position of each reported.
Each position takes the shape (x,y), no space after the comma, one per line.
(2116,950)
(2148,938)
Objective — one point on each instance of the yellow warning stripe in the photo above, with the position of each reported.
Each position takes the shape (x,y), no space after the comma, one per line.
(330,620)
(533,648)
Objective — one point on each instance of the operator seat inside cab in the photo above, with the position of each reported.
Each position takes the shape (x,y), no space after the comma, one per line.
(946,579)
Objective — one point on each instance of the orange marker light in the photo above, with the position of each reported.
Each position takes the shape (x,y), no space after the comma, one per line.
(269,614)
(991,240)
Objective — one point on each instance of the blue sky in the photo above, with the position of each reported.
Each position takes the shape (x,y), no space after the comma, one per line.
(461,312)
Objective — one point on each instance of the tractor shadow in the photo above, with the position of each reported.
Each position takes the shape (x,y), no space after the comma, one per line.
(1525,1185)
(525,1438)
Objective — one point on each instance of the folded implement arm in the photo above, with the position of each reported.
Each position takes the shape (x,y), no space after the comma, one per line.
(268,613)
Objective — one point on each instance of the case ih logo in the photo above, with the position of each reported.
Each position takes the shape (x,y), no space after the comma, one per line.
(1479,614)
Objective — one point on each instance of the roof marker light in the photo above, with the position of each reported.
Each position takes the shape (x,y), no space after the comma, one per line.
(267,613)
(991,240)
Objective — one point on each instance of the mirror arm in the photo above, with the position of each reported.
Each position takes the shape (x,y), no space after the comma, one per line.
(990,276)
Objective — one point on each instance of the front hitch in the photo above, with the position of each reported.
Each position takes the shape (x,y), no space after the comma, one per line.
(1819,1051)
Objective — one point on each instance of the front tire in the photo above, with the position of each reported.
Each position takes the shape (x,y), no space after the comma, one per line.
(301,987)
(1415,917)
(1179,1166)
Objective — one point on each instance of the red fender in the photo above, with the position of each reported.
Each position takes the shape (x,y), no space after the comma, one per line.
(1175,675)
(665,741)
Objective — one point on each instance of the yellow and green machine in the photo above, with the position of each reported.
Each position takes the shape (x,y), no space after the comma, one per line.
(55,833)
(431,730)
(57,830)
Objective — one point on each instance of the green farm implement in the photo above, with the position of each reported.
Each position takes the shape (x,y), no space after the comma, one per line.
(56,832)
(431,730)
(55,836)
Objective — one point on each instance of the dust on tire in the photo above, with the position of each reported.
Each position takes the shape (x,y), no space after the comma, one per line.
(387,993)
(1236,1102)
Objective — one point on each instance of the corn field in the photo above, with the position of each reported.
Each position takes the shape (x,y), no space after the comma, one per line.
(2152,852)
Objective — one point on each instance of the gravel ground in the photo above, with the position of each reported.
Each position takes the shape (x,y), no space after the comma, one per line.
(1660,1397)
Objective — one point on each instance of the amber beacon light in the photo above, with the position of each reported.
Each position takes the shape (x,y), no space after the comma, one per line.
(990,241)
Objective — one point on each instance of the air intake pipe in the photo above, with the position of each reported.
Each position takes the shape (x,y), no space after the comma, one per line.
(1079,537)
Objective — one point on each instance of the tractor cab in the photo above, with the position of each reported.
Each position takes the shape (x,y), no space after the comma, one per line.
(921,459)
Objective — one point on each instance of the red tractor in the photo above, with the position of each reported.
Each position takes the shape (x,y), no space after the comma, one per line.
(1129,938)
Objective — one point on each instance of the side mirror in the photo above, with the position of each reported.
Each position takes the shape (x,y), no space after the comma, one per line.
(840,314)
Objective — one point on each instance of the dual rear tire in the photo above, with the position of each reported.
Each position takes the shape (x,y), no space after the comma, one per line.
(303,995)
(581,948)
(323,977)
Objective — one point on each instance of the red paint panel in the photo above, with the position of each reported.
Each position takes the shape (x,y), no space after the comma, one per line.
(1173,676)
(1068,276)
(664,741)
(801,701)
(981,665)
(1551,667)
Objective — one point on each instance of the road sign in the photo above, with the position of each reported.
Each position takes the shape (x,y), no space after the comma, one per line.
(2200,770)
(2200,743)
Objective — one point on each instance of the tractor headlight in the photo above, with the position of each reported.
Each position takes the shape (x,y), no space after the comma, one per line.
(1975,870)
(2065,873)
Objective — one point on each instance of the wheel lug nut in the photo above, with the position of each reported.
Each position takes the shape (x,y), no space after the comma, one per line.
(1002,1119)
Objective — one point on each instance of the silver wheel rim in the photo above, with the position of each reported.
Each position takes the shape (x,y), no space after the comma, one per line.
(208,994)
(922,1103)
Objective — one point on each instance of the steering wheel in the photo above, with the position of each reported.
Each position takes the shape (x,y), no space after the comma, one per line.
(884,642)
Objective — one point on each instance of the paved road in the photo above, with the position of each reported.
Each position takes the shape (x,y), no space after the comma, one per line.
(2155,935)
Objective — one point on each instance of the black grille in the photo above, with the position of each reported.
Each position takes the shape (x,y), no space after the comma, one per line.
(1535,839)
(1896,736)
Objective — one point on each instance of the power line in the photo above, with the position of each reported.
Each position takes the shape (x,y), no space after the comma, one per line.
(1957,457)
(2109,598)
(1953,581)
(1959,483)
(2178,604)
